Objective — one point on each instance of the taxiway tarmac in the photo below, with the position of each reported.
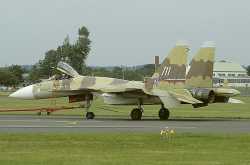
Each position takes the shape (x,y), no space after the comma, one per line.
(30,123)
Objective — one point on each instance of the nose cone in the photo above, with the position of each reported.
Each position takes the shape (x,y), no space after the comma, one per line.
(24,93)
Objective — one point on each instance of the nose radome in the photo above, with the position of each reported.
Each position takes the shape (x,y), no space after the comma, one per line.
(24,93)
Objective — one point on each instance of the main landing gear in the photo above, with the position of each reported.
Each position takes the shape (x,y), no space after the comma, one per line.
(163,113)
(136,113)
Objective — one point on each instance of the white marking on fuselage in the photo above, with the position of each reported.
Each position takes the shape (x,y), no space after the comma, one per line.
(169,69)
(163,72)
(166,71)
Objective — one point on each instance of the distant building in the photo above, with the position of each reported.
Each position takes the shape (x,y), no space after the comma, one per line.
(234,74)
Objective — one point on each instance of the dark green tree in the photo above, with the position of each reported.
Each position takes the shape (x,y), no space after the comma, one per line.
(117,72)
(145,71)
(248,70)
(133,75)
(7,78)
(102,72)
(35,74)
(17,71)
(48,63)
(81,50)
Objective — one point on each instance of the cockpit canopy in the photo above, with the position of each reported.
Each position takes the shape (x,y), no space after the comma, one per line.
(66,70)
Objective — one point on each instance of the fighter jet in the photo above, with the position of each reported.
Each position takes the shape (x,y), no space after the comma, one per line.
(153,90)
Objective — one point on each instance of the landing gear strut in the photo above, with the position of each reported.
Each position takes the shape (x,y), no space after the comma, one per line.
(136,113)
(163,113)
(89,115)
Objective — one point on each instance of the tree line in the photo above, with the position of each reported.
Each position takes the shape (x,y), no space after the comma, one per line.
(137,73)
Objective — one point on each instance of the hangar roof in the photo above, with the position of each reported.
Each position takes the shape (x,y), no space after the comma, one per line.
(224,66)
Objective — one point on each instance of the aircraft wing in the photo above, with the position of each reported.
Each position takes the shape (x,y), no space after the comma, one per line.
(173,98)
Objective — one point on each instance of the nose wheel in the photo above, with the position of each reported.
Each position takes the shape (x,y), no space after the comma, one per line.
(164,113)
(90,115)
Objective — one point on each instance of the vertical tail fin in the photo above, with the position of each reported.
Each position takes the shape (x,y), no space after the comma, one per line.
(172,71)
(200,74)
(225,84)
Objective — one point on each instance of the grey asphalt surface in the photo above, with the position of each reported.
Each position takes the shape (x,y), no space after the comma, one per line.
(32,123)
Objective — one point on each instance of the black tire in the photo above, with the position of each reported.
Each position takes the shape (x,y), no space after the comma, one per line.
(136,114)
(163,114)
(90,115)
(211,98)
(39,113)
(48,113)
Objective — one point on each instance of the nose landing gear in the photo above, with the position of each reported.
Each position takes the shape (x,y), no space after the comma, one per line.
(89,115)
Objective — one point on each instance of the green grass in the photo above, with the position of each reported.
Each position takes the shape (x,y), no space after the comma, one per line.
(123,148)
(215,110)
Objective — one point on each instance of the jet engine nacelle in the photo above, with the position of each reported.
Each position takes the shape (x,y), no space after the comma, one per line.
(129,99)
(205,95)
(115,99)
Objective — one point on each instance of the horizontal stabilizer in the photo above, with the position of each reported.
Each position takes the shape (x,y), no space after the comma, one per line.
(184,96)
